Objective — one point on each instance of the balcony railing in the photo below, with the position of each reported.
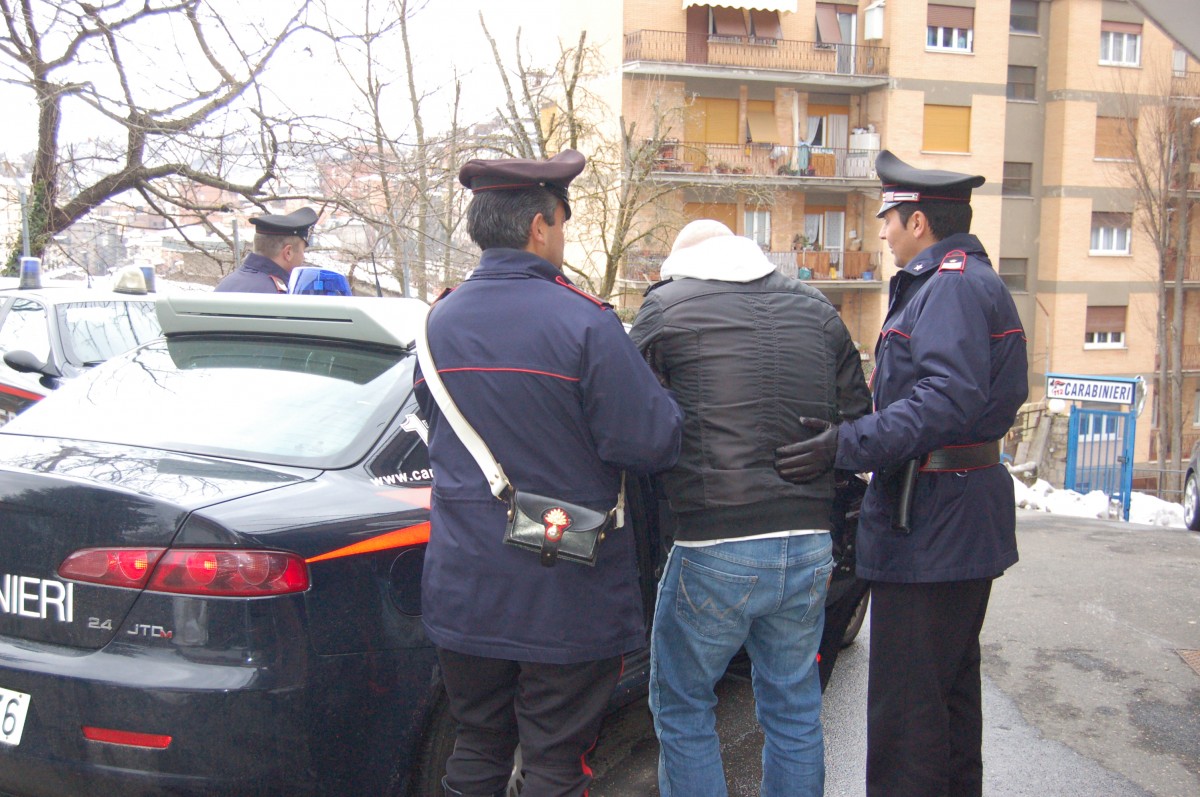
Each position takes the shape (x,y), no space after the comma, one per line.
(1186,85)
(761,160)
(1191,270)
(807,265)
(749,52)
(1190,356)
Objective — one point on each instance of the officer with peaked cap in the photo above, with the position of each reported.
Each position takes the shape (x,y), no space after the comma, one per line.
(545,373)
(279,245)
(938,522)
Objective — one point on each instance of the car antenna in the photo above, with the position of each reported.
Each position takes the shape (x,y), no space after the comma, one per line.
(375,270)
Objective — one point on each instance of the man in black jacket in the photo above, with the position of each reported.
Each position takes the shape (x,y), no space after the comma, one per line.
(747,352)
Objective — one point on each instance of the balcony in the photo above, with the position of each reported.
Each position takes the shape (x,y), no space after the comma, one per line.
(1190,356)
(1183,87)
(825,270)
(842,66)
(826,167)
(1191,270)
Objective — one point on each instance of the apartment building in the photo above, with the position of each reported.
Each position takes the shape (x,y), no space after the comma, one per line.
(780,107)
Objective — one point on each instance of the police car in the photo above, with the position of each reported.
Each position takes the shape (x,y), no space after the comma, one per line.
(56,332)
(210,562)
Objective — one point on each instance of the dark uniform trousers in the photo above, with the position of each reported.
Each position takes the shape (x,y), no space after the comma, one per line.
(553,710)
(924,717)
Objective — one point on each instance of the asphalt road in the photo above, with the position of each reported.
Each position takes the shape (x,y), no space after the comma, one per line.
(1085,691)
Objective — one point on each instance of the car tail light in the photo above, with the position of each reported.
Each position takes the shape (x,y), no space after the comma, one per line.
(229,572)
(115,567)
(128,738)
(220,572)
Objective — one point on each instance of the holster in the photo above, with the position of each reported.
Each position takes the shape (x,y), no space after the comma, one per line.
(899,485)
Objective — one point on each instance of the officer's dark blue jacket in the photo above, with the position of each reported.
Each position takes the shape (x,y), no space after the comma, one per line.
(547,376)
(257,274)
(950,370)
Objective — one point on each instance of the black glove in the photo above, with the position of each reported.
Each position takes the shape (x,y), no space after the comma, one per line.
(802,462)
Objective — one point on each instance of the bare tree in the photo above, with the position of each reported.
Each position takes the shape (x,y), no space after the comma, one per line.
(93,65)
(618,200)
(1158,138)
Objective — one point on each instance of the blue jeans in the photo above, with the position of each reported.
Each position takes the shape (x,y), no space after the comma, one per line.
(768,595)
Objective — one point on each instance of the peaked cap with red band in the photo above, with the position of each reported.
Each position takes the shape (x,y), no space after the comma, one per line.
(298,223)
(506,174)
(903,183)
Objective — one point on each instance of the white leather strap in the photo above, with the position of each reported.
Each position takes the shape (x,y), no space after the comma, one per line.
(492,471)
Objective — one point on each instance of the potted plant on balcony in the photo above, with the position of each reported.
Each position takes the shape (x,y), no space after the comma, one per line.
(740,170)
(721,167)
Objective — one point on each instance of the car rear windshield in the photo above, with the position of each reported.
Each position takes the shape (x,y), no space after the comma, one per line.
(311,403)
(92,332)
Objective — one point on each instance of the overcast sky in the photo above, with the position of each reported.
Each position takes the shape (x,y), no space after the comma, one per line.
(445,35)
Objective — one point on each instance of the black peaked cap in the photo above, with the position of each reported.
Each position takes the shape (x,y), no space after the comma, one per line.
(297,223)
(903,183)
(554,174)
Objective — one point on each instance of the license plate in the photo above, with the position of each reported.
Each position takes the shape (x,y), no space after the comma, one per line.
(13,706)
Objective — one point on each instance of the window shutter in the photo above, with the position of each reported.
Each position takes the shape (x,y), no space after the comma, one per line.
(828,31)
(1105,319)
(729,21)
(950,17)
(947,128)
(1119,27)
(766,24)
(1115,137)
(1116,221)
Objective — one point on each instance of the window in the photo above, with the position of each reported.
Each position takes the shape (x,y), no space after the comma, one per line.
(1105,328)
(728,22)
(1120,44)
(1022,82)
(1023,16)
(1018,179)
(760,122)
(27,327)
(764,26)
(950,29)
(1196,410)
(1110,233)
(947,128)
(1179,60)
(1115,137)
(1014,271)
(835,23)
(1097,426)
(758,226)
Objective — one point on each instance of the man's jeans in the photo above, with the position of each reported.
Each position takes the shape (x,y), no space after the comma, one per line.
(768,595)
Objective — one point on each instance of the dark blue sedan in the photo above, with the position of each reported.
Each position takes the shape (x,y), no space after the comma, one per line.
(210,560)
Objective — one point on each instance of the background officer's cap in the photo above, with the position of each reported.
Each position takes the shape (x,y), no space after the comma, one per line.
(554,174)
(903,183)
(297,223)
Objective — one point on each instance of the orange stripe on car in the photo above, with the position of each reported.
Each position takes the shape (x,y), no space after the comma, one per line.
(400,538)
(19,393)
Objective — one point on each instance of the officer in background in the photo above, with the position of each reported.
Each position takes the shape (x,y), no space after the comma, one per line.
(951,373)
(547,376)
(279,245)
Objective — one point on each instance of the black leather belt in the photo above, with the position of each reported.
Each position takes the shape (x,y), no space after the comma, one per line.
(969,457)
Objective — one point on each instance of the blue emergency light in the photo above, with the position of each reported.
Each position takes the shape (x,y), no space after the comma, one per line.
(318,281)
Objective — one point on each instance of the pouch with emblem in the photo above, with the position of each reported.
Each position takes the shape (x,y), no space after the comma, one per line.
(551,528)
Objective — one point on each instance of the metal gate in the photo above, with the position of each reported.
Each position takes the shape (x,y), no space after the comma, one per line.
(1100,453)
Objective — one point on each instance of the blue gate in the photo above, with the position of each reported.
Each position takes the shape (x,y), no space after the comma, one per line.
(1100,453)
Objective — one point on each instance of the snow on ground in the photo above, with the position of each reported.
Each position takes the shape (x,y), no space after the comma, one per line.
(1142,508)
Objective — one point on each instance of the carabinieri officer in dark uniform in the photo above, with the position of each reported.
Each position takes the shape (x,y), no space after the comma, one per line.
(950,374)
(549,379)
(279,245)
